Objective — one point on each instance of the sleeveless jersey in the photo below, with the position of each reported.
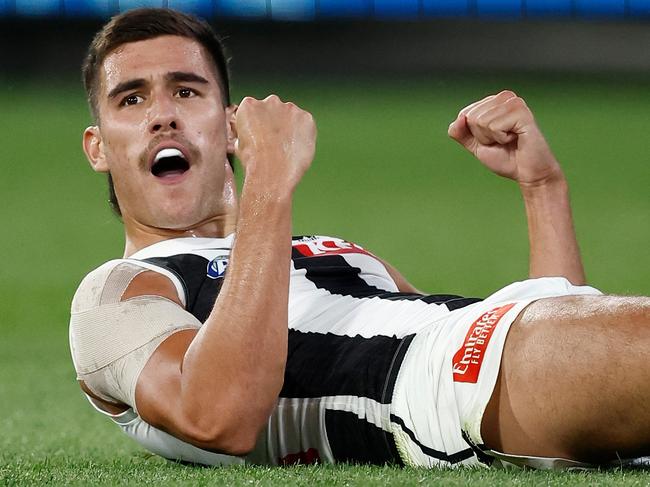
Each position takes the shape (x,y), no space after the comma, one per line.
(349,329)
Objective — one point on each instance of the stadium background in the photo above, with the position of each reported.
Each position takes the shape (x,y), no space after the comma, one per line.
(383,80)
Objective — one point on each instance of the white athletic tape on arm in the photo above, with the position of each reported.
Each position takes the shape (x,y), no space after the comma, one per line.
(180,290)
(112,340)
(108,332)
(117,381)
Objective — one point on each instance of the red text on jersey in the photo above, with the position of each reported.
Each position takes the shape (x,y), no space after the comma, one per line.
(467,360)
(312,248)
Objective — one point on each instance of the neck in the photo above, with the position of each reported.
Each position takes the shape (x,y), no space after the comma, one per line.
(139,236)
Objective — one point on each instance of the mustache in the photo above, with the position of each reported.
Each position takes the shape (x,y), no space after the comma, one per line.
(193,151)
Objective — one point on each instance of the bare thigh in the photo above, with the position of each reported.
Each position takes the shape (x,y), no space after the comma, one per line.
(574,381)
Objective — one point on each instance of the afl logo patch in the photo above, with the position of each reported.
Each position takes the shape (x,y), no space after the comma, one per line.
(217,267)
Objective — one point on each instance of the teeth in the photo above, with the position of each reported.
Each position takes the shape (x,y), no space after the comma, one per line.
(168,153)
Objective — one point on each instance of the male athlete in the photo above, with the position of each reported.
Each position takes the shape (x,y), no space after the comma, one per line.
(218,339)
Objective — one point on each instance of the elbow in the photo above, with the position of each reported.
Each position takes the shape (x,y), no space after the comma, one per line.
(238,445)
(232,422)
(240,440)
(233,436)
(241,448)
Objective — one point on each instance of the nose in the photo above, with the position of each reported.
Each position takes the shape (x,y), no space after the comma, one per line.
(163,116)
(157,127)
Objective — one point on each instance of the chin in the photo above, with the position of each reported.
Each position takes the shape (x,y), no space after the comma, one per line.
(177,223)
(179,212)
(171,217)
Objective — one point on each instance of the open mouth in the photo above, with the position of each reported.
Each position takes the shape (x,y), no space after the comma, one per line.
(169,162)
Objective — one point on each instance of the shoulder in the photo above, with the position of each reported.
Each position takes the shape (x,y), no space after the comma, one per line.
(91,288)
(110,281)
(120,313)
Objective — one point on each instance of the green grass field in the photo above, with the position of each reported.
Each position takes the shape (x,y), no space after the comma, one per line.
(385,176)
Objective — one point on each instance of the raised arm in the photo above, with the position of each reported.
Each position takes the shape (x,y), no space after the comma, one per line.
(216,388)
(501,132)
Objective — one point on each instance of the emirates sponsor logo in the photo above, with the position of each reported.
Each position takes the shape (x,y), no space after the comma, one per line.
(467,360)
(334,246)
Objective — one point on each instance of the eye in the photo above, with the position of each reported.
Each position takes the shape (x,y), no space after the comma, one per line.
(132,99)
(185,93)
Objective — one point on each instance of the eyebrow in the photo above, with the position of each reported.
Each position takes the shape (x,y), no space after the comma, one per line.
(185,76)
(131,84)
(174,76)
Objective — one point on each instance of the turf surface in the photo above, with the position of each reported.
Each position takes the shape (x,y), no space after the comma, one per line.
(385,176)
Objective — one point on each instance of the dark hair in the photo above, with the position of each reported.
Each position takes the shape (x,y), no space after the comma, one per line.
(143,24)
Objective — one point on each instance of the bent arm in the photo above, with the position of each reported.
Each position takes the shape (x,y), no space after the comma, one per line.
(233,371)
(501,132)
(216,388)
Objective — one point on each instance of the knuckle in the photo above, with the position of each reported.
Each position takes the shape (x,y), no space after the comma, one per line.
(491,126)
(507,94)
(483,120)
(517,102)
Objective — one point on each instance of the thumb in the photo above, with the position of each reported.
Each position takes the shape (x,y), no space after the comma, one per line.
(459,131)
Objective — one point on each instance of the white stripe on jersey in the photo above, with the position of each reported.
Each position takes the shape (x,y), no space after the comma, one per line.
(317,310)
(297,425)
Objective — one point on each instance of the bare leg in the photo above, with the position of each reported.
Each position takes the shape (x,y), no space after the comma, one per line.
(574,381)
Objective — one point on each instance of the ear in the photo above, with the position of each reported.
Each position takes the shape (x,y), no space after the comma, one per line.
(231,127)
(94,149)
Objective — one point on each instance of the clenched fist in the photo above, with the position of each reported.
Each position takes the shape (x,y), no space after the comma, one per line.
(276,142)
(501,132)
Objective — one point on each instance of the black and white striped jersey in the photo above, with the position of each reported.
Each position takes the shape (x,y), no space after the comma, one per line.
(349,328)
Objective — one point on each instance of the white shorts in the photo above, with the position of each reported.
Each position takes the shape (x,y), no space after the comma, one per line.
(449,373)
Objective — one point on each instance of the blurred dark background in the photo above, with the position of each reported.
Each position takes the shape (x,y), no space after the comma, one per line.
(366,37)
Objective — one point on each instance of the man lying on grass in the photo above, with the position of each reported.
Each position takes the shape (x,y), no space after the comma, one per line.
(218,338)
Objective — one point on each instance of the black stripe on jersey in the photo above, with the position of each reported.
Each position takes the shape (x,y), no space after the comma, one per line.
(439,455)
(201,292)
(354,440)
(450,300)
(334,274)
(479,450)
(324,364)
(389,387)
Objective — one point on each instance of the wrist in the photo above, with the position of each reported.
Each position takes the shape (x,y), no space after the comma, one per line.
(549,196)
(554,181)
(274,180)
(264,192)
